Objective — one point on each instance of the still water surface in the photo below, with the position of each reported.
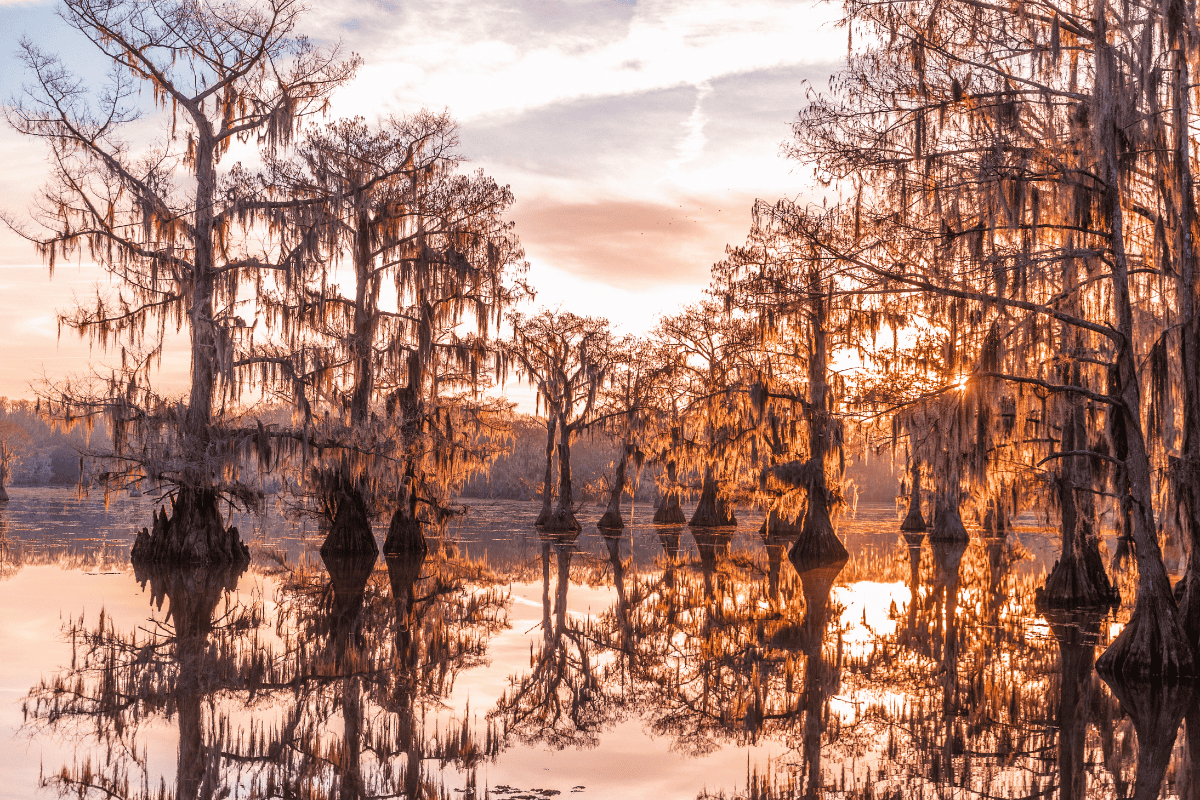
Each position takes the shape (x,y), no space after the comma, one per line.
(662,663)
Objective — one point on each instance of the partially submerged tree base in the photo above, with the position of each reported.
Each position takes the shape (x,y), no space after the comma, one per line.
(350,535)
(1152,645)
(611,521)
(562,521)
(948,526)
(405,536)
(913,521)
(193,534)
(1078,581)
(3,495)
(669,512)
(817,547)
(712,513)
(777,529)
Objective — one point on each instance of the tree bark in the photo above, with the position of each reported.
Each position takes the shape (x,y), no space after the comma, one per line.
(193,534)
(914,522)
(669,512)
(1154,642)
(563,518)
(712,511)
(405,534)
(818,544)
(611,520)
(548,484)
(351,533)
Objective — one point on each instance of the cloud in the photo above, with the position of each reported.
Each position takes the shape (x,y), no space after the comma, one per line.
(692,145)
(486,59)
(629,244)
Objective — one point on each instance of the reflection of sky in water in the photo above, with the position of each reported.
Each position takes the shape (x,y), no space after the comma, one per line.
(691,675)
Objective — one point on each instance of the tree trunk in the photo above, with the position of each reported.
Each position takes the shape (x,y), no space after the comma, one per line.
(914,522)
(669,512)
(1154,642)
(777,529)
(818,544)
(612,515)
(405,535)
(350,534)
(712,511)
(947,521)
(1187,470)
(563,518)
(548,484)
(193,534)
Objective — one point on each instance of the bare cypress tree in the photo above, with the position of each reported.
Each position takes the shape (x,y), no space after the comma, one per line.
(710,349)
(162,220)
(394,249)
(570,359)
(630,411)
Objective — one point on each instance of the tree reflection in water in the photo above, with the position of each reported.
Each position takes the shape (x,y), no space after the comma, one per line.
(960,690)
(331,698)
(562,701)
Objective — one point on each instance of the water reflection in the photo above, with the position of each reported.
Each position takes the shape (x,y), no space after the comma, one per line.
(919,668)
(328,699)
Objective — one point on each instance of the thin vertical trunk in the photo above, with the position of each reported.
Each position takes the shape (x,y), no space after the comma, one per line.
(548,484)
(195,533)
(1154,642)
(1078,579)
(563,518)
(1187,470)
(818,544)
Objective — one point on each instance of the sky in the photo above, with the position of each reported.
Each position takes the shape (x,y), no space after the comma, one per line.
(635,137)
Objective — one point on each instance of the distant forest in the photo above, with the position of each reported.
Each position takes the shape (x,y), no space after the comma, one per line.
(42,454)
(517,474)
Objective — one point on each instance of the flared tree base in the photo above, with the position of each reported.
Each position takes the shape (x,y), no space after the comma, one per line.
(611,521)
(669,511)
(914,522)
(1152,646)
(543,517)
(3,495)
(712,514)
(350,535)
(948,527)
(1078,581)
(405,536)
(562,521)
(193,534)
(818,547)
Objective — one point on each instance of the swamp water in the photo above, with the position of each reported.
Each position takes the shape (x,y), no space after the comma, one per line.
(661,663)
